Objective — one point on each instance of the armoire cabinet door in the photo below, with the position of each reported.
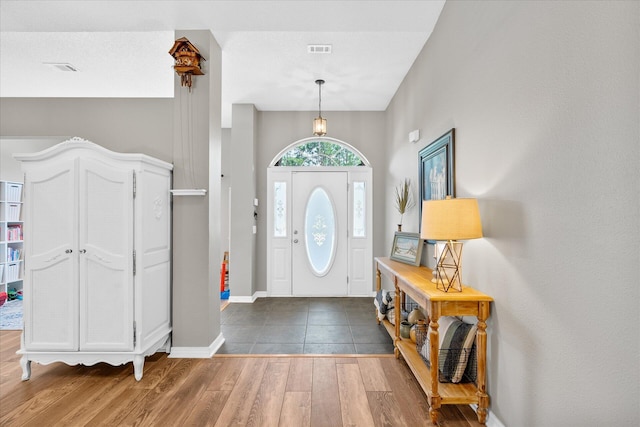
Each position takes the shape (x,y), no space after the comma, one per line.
(51,285)
(105,249)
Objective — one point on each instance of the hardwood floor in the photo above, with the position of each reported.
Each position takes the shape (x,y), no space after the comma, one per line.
(221,391)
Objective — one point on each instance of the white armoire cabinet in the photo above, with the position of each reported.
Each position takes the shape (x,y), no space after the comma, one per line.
(97,256)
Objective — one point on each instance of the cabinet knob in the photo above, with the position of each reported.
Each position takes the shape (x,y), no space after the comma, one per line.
(68,251)
(295,241)
(83,251)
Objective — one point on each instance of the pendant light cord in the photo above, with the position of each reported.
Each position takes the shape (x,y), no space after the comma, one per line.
(320,82)
(320,99)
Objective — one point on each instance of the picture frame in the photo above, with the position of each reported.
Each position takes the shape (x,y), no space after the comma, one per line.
(407,248)
(436,167)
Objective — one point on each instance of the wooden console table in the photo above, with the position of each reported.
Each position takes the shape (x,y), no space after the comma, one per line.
(416,283)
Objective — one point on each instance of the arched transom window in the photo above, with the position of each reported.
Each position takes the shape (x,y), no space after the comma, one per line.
(320,153)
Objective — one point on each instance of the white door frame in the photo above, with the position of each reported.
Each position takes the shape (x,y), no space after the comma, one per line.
(279,244)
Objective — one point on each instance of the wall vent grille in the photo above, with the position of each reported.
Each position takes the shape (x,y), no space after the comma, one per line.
(319,48)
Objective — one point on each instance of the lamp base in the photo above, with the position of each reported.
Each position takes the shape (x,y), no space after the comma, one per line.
(447,274)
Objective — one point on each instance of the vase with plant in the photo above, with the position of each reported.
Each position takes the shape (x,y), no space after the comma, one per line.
(404,199)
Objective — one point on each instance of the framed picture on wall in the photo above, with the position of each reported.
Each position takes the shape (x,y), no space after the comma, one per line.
(437,169)
(407,248)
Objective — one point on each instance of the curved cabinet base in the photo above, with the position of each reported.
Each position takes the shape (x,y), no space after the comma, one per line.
(89,358)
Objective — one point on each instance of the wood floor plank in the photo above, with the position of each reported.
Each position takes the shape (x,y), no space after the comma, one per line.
(296,409)
(175,405)
(90,391)
(229,373)
(147,408)
(80,414)
(45,375)
(385,409)
(207,408)
(30,397)
(325,401)
(9,372)
(300,375)
(8,346)
(268,402)
(61,402)
(141,403)
(238,407)
(373,375)
(354,404)
(115,413)
(413,404)
(155,372)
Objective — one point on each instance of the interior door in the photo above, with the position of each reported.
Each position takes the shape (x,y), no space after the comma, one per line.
(319,234)
(105,247)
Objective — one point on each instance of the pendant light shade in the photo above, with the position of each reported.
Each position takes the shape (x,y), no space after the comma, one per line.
(319,123)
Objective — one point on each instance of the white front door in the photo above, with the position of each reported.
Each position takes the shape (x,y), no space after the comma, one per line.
(319,233)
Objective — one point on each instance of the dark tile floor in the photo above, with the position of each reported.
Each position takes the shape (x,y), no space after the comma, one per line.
(304,326)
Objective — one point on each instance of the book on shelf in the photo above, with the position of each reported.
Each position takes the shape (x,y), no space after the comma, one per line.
(13,254)
(14,232)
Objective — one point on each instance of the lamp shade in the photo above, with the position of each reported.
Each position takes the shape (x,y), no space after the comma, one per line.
(319,126)
(450,219)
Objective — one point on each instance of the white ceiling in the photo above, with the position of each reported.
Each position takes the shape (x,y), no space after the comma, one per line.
(120,49)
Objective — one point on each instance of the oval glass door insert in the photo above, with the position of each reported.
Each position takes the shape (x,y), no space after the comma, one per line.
(320,231)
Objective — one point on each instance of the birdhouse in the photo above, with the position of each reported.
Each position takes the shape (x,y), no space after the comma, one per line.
(187,60)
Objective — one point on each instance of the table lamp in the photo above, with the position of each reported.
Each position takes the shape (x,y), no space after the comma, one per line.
(450,220)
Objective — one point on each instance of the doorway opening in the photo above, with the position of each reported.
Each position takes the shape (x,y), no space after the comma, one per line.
(319,216)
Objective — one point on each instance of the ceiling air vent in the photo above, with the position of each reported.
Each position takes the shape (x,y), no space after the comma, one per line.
(61,66)
(319,48)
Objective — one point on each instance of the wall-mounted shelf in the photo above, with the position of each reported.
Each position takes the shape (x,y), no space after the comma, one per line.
(189,192)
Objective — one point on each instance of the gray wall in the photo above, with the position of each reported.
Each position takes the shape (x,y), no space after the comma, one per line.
(276,130)
(242,267)
(10,168)
(544,97)
(125,125)
(197,150)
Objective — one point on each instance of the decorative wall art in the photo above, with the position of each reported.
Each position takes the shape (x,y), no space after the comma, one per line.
(407,248)
(437,169)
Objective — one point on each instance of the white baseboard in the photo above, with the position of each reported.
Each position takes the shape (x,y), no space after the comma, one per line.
(255,296)
(492,420)
(197,352)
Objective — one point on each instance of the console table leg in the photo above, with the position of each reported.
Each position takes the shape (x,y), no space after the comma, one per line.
(433,413)
(481,347)
(378,288)
(482,415)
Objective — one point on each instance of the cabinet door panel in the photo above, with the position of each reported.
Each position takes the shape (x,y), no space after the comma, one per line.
(50,234)
(106,257)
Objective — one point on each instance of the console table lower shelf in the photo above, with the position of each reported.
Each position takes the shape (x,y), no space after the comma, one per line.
(454,394)
(415,282)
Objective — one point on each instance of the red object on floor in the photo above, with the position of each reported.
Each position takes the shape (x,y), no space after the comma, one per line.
(223,273)
(3,298)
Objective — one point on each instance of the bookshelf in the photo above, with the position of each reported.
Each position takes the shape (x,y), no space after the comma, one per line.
(11,243)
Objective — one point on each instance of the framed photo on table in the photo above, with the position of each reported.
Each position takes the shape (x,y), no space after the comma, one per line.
(407,248)
(437,169)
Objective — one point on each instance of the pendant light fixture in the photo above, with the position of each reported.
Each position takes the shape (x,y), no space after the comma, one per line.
(319,124)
